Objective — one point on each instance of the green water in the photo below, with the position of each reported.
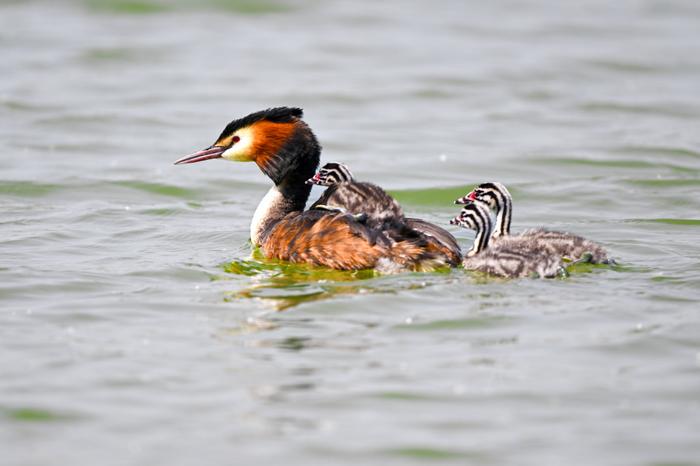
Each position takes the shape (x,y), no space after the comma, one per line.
(138,327)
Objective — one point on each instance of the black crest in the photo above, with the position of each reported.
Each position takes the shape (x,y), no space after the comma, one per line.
(275,115)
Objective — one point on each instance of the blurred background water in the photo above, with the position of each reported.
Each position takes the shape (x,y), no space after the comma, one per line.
(135,327)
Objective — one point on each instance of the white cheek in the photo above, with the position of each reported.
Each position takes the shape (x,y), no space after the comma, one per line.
(235,153)
(240,151)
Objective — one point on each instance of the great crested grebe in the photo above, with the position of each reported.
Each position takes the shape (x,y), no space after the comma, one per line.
(566,245)
(286,150)
(362,198)
(525,259)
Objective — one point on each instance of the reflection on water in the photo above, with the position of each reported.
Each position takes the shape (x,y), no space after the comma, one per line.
(283,285)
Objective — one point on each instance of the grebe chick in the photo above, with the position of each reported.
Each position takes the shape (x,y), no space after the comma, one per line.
(355,197)
(286,150)
(528,259)
(566,245)
(346,194)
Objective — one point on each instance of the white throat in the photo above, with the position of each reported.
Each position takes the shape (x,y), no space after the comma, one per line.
(272,202)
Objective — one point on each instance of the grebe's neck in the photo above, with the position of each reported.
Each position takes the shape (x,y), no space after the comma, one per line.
(288,168)
(503,215)
(483,228)
(284,198)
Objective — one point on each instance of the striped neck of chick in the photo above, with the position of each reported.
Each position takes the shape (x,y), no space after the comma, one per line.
(498,198)
(476,216)
(330,174)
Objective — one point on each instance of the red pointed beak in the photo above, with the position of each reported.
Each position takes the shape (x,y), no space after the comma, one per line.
(469,198)
(213,152)
(314,179)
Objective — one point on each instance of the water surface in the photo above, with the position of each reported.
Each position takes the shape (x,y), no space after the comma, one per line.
(136,327)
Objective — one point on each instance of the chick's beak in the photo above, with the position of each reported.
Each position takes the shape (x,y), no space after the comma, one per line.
(313,179)
(213,152)
(468,199)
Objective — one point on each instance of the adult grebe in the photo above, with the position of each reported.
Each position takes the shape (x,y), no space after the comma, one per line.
(502,259)
(566,245)
(362,198)
(286,150)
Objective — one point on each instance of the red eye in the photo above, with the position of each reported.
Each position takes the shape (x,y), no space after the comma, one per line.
(235,139)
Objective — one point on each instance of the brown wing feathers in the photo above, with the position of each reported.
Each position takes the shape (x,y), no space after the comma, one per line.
(339,241)
(385,214)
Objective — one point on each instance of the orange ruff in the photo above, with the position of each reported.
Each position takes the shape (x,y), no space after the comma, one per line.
(336,241)
(269,139)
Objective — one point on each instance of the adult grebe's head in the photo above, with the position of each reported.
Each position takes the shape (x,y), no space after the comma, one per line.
(276,139)
(331,173)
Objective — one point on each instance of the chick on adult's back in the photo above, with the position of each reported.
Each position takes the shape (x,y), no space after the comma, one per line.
(346,194)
